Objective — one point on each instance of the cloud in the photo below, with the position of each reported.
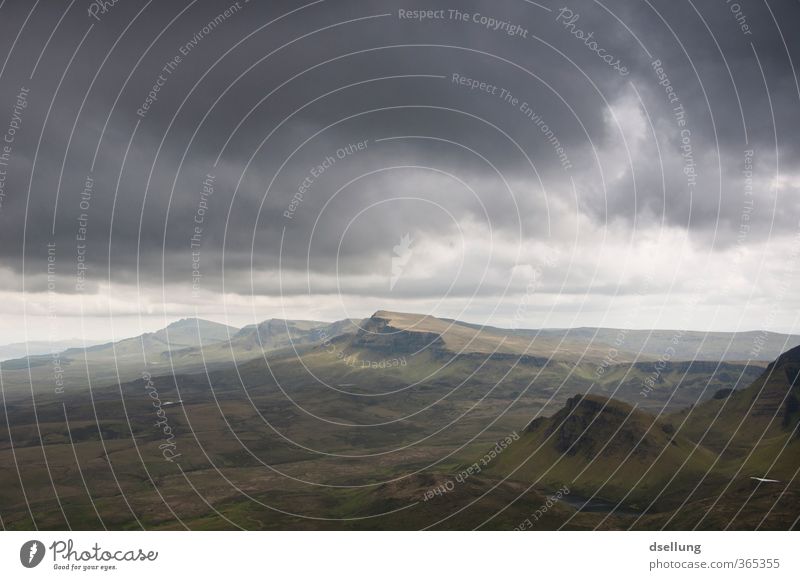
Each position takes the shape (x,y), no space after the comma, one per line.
(555,150)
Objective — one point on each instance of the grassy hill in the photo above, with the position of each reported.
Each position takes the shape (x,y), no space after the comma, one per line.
(356,421)
(602,447)
(731,461)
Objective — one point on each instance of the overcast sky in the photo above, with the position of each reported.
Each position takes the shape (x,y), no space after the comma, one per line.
(521,164)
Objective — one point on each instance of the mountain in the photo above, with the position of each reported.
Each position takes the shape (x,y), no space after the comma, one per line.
(398,333)
(603,447)
(683,345)
(156,347)
(276,333)
(419,349)
(730,461)
(112,362)
(184,333)
(406,349)
(41,347)
(190,345)
(754,434)
(398,405)
(408,332)
(756,423)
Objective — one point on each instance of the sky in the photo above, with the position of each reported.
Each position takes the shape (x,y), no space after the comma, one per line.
(511,163)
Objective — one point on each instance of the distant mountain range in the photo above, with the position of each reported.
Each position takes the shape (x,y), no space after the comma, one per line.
(194,345)
(40,347)
(183,337)
(380,411)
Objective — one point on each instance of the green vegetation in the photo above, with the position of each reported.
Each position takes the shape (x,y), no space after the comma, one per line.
(316,426)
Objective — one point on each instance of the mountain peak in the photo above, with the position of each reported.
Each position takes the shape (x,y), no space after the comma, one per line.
(587,424)
(391,314)
(186,322)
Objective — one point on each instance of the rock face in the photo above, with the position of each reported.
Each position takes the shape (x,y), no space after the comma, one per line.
(510,358)
(382,334)
(780,395)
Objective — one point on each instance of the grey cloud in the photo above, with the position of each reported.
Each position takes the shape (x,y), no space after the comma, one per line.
(132,238)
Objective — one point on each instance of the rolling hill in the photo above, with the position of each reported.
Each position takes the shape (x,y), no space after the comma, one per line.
(731,461)
(604,448)
(378,411)
(416,348)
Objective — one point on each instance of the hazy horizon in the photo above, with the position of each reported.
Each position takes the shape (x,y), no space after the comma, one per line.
(149,324)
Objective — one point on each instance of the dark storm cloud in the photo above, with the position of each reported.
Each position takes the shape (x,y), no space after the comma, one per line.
(139,220)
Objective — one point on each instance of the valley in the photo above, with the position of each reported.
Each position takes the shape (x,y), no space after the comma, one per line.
(353,424)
